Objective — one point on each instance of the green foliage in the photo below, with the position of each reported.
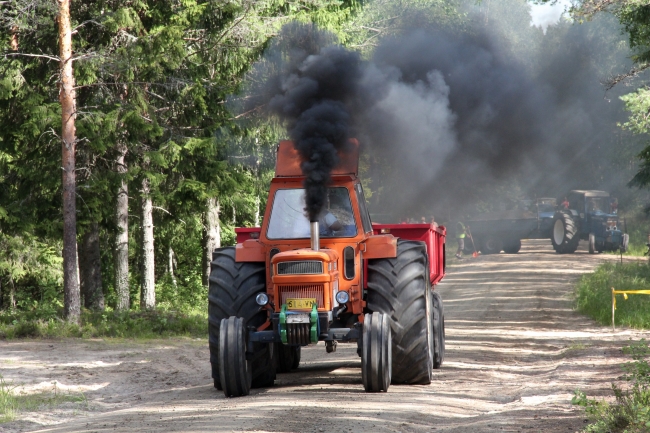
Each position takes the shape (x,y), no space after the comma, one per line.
(630,412)
(133,324)
(385,18)
(594,296)
(634,18)
(152,79)
(8,403)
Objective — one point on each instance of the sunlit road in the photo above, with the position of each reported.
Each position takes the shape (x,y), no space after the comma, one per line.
(516,351)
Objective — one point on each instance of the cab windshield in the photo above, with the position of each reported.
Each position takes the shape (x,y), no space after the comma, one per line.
(598,204)
(288,220)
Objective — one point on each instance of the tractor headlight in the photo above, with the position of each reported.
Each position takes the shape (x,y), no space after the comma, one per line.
(342,297)
(262,299)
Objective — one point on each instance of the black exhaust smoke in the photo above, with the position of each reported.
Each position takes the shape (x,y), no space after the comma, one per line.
(444,118)
(310,95)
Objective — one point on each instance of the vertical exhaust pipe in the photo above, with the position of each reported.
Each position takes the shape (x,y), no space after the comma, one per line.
(315,235)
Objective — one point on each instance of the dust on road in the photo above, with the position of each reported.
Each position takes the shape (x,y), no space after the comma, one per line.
(516,351)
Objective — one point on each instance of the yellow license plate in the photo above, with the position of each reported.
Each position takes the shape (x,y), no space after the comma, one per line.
(300,303)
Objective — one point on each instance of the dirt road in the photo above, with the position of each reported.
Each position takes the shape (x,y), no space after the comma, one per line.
(515,353)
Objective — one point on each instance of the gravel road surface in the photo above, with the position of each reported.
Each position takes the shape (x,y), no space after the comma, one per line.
(516,351)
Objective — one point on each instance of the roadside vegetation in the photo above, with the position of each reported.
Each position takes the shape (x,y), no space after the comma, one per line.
(131,324)
(13,401)
(630,412)
(181,311)
(594,294)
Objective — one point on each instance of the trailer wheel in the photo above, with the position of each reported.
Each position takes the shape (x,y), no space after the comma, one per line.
(232,290)
(235,371)
(438,330)
(376,353)
(399,288)
(512,247)
(592,243)
(564,235)
(491,245)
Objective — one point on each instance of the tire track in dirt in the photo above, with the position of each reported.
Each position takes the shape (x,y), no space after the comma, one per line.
(516,351)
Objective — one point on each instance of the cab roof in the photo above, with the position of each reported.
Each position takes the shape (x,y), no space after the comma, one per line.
(590,193)
(289,160)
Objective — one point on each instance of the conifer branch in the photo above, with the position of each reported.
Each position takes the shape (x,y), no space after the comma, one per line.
(56,59)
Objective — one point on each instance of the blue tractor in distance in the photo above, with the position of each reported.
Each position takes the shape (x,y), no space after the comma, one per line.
(591,216)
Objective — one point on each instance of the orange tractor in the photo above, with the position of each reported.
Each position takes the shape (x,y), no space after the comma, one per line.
(293,282)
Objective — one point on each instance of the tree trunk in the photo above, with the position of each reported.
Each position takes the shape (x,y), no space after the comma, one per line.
(91,270)
(148,294)
(171,264)
(68,135)
(122,237)
(211,235)
(257,211)
(12,294)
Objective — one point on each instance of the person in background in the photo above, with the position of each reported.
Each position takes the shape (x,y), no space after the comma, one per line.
(460,237)
(423,220)
(565,203)
(613,205)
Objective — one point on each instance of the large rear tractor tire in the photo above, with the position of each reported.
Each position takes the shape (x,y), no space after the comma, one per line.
(399,288)
(438,330)
(512,247)
(232,291)
(564,234)
(376,353)
(235,371)
(492,245)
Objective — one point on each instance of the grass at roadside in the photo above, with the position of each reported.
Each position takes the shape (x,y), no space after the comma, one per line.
(133,324)
(12,402)
(630,412)
(594,294)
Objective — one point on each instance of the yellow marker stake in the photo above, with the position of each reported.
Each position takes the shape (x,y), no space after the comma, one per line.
(624,293)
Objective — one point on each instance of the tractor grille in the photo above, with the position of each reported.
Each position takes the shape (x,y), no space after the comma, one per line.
(300,267)
(303,291)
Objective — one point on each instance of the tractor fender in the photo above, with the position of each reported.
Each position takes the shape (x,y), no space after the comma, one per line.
(250,250)
(379,247)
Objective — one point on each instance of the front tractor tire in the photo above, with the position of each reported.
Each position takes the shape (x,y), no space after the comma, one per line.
(235,371)
(232,290)
(399,289)
(625,243)
(564,235)
(592,243)
(438,330)
(376,353)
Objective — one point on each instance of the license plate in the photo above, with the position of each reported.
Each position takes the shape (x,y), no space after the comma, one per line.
(300,303)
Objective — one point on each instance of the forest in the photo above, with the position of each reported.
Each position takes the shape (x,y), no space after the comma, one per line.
(133,150)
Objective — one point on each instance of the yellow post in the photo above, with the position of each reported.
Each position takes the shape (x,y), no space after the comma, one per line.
(613,309)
